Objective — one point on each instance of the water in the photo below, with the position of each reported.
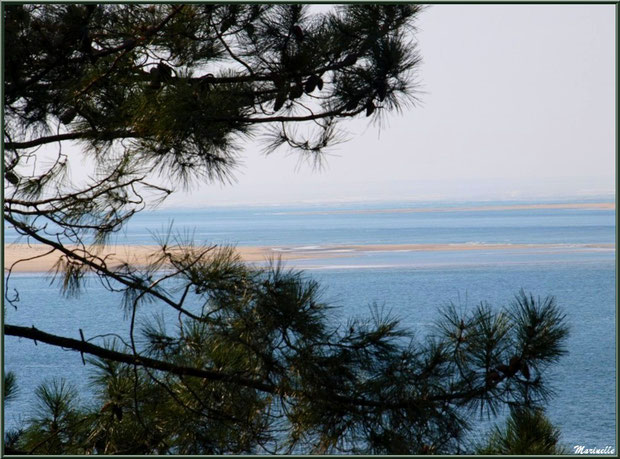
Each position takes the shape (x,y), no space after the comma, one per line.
(356,224)
(412,285)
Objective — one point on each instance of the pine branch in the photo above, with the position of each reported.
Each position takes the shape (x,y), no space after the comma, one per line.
(108,354)
(213,375)
(93,135)
(130,44)
(99,268)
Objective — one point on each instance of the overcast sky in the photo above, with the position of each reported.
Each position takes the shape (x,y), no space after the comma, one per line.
(517,101)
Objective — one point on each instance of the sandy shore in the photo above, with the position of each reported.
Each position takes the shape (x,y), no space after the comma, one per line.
(37,258)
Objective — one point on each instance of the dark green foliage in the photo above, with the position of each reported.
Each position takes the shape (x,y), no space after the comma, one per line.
(527,431)
(10,387)
(293,381)
(58,424)
(173,91)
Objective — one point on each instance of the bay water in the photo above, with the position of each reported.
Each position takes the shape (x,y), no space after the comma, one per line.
(573,260)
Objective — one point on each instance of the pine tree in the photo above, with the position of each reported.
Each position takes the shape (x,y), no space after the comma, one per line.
(527,431)
(169,93)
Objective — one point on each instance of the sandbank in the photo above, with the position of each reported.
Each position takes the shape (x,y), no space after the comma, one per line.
(35,257)
(574,205)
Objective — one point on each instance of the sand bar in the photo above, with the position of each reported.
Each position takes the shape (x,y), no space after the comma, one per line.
(568,206)
(37,258)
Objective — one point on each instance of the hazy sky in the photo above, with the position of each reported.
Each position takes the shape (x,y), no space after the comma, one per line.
(517,101)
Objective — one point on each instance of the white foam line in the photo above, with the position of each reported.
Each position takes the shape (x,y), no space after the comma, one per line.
(330,267)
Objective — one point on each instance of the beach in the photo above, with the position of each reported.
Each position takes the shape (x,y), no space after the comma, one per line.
(38,258)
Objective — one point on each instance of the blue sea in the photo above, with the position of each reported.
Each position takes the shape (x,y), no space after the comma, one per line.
(573,259)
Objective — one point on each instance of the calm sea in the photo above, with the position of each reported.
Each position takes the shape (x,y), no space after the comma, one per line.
(412,285)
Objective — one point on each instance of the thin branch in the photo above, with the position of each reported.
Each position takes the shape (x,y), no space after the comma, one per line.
(271,119)
(94,135)
(128,46)
(230,51)
(101,269)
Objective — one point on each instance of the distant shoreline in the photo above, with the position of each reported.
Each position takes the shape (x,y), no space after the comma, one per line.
(39,261)
(481,208)
(400,200)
